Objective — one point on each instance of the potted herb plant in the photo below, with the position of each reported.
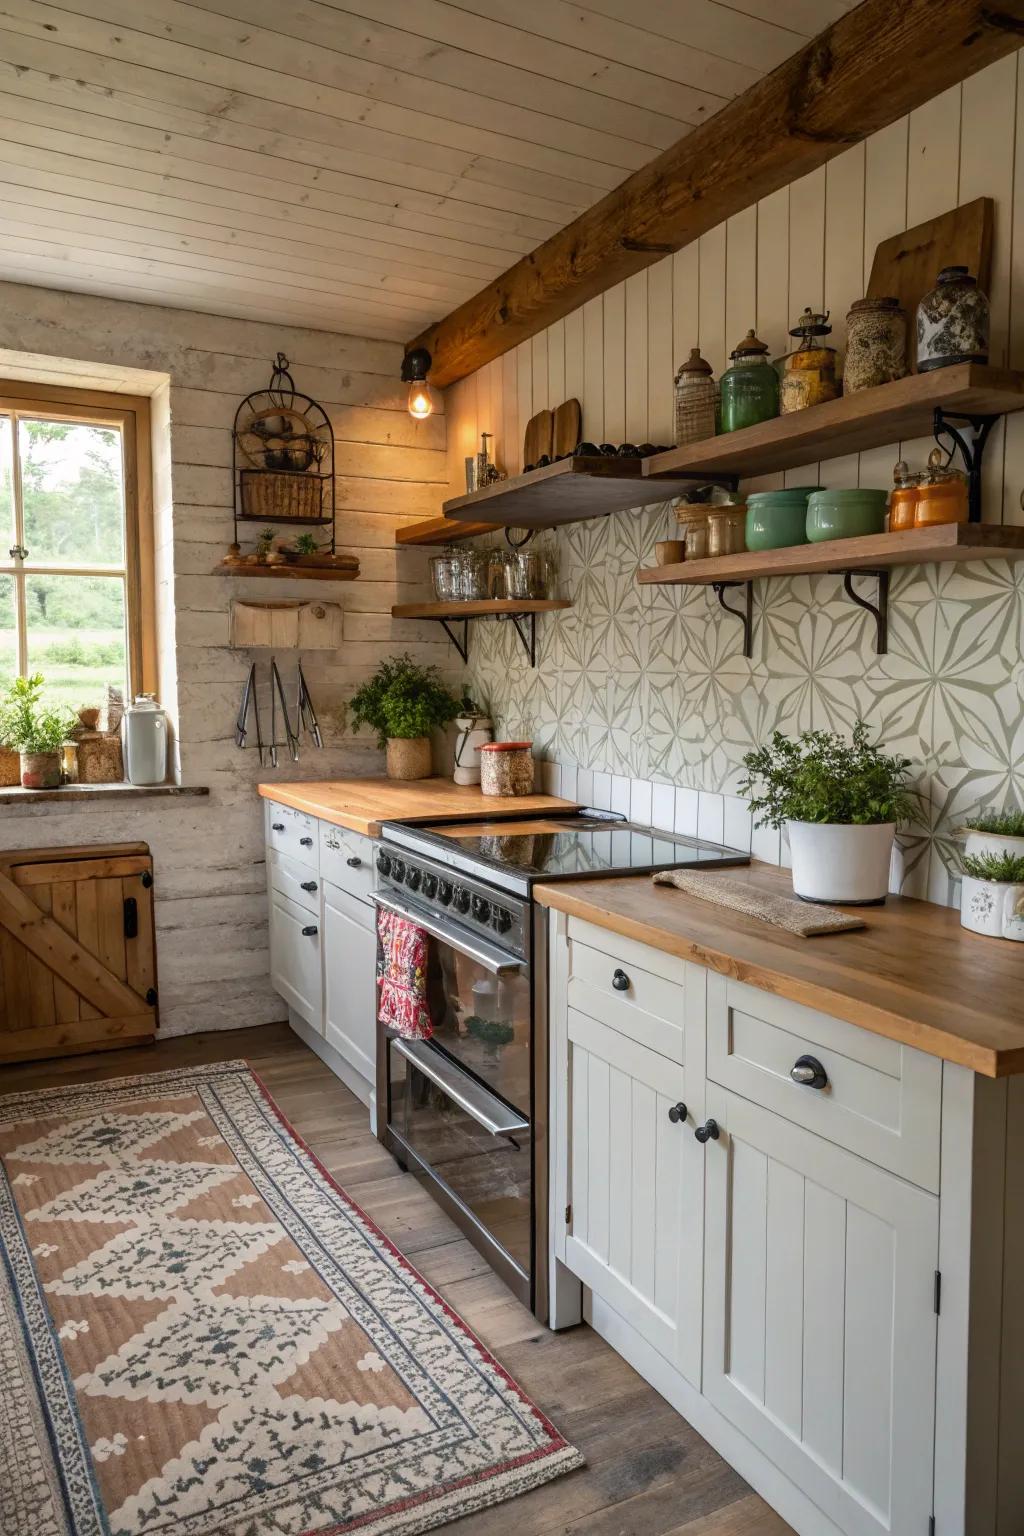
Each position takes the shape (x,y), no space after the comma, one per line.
(996,832)
(992,894)
(840,803)
(36,730)
(10,760)
(403,703)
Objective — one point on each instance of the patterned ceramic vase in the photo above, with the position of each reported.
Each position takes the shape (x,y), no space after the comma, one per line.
(992,907)
(952,322)
(876,344)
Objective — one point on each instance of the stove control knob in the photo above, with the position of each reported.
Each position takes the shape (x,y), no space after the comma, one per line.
(430,886)
(384,863)
(412,879)
(481,909)
(444,891)
(461,899)
(502,919)
(397,869)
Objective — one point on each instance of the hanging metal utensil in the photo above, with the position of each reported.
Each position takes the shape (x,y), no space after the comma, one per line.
(241,724)
(260,744)
(277,695)
(307,714)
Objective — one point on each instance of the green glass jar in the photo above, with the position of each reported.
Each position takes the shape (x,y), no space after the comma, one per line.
(750,386)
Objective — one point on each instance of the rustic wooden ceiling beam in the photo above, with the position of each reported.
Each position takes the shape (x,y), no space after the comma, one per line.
(871,67)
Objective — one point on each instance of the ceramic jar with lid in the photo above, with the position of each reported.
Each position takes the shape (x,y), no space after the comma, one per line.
(941,495)
(952,322)
(809,375)
(903,497)
(845,514)
(749,386)
(777,519)
(506,768)
(695,400)
(876,344)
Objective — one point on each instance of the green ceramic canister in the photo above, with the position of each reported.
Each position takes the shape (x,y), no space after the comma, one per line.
(845,514)
(778,519)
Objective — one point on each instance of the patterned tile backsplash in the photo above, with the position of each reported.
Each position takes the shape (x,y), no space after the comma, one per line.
(643,700)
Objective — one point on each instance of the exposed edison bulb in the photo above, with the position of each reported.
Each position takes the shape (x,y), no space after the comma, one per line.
(421,400)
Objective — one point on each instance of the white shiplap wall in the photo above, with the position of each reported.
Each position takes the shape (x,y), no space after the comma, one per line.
(211,903)
(687,706)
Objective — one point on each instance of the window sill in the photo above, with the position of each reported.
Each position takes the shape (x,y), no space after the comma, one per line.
(81,793)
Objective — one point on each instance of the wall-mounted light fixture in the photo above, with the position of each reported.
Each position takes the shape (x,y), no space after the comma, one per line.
(415,367)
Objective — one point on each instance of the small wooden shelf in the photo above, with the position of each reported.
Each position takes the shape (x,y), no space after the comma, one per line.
(284,522)
(520,612)
(877,551)
(288,572)
(567,492)
(440,530)
(871,418)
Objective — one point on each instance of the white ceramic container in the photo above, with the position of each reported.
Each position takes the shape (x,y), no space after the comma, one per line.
(992,842)
(837,862)
(992,907)
(473,732)
(144,727)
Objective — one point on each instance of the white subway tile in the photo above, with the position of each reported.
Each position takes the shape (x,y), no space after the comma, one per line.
(764,844)
(640,799)
(620,793)
(686,811)
(585,786)
(663,806)
(738,823)
(567,783)
(711,816)
(602,796)
(550,778)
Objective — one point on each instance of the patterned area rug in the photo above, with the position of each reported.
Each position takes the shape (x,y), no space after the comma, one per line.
(200,1333)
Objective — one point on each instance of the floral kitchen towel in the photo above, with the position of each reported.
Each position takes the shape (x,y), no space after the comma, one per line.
(402,953)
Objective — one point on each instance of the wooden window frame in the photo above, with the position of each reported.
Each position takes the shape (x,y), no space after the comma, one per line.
(131,415)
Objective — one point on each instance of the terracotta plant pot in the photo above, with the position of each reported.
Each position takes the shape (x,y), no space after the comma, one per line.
(409,758)
(40,770)
(10,768)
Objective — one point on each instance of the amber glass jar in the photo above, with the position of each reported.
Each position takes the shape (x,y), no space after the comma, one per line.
(941,496)
(903,498)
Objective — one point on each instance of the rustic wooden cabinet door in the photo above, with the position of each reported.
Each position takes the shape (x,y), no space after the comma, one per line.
(635,1180)
(77,953)
(295,958)
(819,1324)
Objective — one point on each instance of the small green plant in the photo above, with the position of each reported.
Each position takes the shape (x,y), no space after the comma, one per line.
(306,544)
(265,542)
(403,701)
(1001,823)
(1007,868)
(821,777)
(28,723)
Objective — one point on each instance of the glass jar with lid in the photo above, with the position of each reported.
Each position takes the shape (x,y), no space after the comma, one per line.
(472,574)
(749,386)
(903,497)
(942,494)
(695,400)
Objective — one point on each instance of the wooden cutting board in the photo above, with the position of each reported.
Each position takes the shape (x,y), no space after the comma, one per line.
(568,430)
(539,438)
(906,265)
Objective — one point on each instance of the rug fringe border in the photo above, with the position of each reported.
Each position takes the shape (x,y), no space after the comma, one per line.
(68,1090)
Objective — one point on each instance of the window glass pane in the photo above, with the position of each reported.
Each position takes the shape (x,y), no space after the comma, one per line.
(6,491)
(76,634)
(72,493)
(8,633)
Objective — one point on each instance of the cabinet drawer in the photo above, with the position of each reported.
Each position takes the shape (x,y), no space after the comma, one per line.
(629,987)
(881,1099)
(292,833)
(296,881)
(346,859)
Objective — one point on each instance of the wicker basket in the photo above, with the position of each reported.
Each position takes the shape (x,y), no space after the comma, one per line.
(274,495)
(10,768)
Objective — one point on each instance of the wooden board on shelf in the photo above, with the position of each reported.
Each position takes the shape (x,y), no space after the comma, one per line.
(568,426)
(539,437)
(869,419)
(440,530)
(288,572)
(478,609)
(912,546)
(566,492)
(906,266)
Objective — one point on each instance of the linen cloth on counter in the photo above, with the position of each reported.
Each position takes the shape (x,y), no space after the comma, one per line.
(403,952)
(794,916)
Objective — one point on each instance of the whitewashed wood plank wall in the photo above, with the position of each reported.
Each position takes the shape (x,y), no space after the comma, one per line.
(211,902)
(650,685)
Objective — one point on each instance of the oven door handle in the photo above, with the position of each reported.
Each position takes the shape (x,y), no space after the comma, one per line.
(498,961)
(482,1106)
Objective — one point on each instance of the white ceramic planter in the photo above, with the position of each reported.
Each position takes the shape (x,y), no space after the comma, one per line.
(993,842)
(836,862)
(473,731)
(992,907)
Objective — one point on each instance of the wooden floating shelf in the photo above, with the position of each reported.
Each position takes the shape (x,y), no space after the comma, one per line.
(871,418)
(440,530)
(877,551)
(283,522)
(481,608)
(289,572)
(566,492)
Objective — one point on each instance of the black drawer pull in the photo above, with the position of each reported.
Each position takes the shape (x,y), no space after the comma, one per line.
(809,1072)
(277,826)
(306,842)
(707,1132)
(307,885)
(677,1113)
(355,862)
(310,932)
(620,981)
(131,918)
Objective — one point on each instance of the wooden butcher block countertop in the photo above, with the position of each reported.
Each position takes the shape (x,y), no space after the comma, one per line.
(913,974)
(362,804)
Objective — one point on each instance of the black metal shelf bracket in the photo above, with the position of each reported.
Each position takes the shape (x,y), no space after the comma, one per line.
(525,625)
(527,635)
(744,614)
(462,646)
(879,610)
(953,437)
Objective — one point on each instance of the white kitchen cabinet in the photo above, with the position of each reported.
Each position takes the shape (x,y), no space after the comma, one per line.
(350,994)
(819,1316)
(295,958)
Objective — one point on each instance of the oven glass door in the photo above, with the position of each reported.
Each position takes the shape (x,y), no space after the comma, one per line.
(467,1140)
(483,1022)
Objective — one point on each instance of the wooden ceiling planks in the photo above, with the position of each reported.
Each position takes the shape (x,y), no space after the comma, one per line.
(355,165)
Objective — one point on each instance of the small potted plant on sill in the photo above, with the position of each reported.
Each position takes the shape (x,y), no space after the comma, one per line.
(403,703)
(840,803)
(992,894)
(36,730)
(995,832)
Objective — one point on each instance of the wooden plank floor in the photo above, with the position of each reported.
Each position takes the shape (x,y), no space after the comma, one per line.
(648,1473)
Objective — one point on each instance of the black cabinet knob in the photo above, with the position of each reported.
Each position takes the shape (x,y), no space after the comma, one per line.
(355,862)
(707,1132)
(620,981)
(809,1072)
(677,1113)
(310,932)
(308,885)
(277,826)
(306,842)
